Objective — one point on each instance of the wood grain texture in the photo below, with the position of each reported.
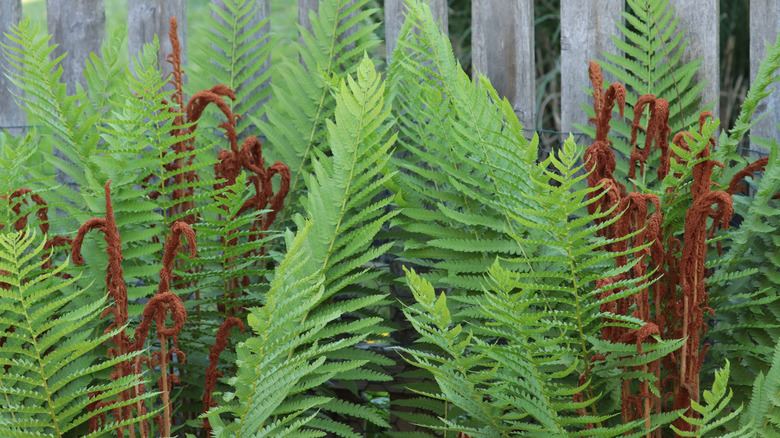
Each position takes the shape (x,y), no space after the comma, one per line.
(764,26)
(78,27)
(701,21)
(260,12)
(147,18)
(394,20)
(10,114)
(586,30)
(503,50)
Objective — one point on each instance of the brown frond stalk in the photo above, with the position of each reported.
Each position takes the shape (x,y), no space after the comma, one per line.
(212,374)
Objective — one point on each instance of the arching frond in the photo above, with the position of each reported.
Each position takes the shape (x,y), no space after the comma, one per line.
(49,374)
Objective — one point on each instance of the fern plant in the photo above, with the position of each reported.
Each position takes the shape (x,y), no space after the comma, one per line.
(49,366)
(316,311)
(463,160)
(650,63)
(304,98)
(532,363)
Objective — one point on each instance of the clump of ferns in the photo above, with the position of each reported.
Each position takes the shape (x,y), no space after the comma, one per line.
(157,310)
(13,212)
(234,223)
(180,177)
(674,224)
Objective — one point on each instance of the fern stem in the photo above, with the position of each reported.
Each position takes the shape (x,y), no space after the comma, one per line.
(165,392)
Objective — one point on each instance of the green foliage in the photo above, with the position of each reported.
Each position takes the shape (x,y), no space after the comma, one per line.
(762,416)
(650,63)
(236,57)
(717,401)
(534,332)
(303,335)
(464,160)
(49,375)
(304,98)
(508,266)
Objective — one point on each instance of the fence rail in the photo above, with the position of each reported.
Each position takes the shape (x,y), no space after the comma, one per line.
(502,43)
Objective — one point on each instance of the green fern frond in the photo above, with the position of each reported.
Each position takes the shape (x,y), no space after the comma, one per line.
(303,338)
(464,159)
(103,75)
(709,415)
(650,63)
(304,98)
(51,371)
(231,57)
(63,118)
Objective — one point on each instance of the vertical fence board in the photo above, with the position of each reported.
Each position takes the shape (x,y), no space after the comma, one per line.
(146,18)
(764,25)
(260,12)
(78,26)
(304,6)
(701,21)
(10,115)
(586,30)
(394,20)
(503,50)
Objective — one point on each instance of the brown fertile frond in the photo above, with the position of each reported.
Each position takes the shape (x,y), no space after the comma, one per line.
(174,58)
(114,274)
(639,109)
(756,166)
(172,245)
(42,213)
(657,131)
(212,374)
(692,278)
(604,102)
(596,80)
(200,100)
(615,92)
(156,309)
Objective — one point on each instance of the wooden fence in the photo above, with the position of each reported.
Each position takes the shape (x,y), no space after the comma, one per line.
(502,42)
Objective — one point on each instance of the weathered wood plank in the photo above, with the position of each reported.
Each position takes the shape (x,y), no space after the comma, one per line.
(701,21)
(586,30)
(764,25)
(78,27)
(146,18)
(503,50)
(260,12)
(304,6)
(394,20)
(10,115)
